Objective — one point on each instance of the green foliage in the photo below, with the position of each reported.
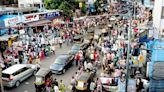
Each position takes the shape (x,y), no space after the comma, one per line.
(84,8)
(97,5)
(68,6)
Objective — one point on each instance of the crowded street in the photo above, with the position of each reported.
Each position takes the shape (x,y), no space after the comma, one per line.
(28,86)
(82,46)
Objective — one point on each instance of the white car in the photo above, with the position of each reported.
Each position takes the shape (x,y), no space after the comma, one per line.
(15,74)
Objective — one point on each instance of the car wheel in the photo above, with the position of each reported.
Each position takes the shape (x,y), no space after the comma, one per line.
(17,83)
(34,72)
(64,71)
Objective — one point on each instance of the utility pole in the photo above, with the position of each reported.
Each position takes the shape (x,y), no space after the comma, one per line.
(128,54)
(134,5)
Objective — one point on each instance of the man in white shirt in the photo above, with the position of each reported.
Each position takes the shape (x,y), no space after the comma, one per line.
(56,88)
(42,41)
(89,66)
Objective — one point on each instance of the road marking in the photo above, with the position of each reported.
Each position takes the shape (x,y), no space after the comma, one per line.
(27,83)
(26,91)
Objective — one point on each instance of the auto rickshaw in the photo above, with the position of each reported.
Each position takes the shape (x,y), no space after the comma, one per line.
(40,79)
(83,81)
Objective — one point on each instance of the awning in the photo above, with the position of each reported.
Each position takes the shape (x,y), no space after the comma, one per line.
(38,23)
(6,37)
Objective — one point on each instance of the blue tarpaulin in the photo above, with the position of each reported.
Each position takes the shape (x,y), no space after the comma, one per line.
(157,48)
(144,39)
(157,53)
(156,86)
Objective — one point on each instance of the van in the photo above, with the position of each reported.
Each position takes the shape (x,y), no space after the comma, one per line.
(15,74)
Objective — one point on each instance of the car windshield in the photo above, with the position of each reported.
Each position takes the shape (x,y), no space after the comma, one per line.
(76,47)
(60,60)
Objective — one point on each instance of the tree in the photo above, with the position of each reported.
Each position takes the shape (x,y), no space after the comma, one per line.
(67,9)
(68,6)
(98,5)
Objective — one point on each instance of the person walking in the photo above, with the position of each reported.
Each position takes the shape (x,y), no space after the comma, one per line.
(92,86)
(20,59)
(62,86)
(60,43)
(56,88)
(55,82)
(37,60)
(73,83)
(140,86)
(77,59)
(48,85)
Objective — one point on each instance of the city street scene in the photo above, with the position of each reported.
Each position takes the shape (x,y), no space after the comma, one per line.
(81,46)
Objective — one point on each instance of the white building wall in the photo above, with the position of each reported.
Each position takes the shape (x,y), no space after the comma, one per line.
(26,3)
(158,23)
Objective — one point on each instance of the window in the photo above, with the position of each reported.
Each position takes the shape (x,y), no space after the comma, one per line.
(20,71)
(24,69)
(162,15)
(21,5)
(36,5)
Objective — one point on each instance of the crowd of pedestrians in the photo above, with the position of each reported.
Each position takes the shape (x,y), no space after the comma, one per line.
(109,50)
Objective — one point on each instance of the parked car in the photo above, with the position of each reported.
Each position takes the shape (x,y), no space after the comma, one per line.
(75,49)
(15,74)
(61,63)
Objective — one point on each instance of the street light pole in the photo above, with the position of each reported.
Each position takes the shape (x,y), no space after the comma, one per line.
(128,55)
(134,9)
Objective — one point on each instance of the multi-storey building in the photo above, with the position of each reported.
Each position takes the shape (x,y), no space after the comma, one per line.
(158,17)
(31,3)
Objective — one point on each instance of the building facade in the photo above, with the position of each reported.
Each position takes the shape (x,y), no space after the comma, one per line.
(158,17)
(31,3)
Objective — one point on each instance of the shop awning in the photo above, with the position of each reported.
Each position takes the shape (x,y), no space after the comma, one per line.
(6,37)
(38,23)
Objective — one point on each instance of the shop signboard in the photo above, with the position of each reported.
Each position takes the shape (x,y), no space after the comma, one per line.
(12,21)
(42,16)
(52,14)
(30,18)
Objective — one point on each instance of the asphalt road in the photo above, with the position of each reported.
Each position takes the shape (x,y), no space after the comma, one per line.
(28,86)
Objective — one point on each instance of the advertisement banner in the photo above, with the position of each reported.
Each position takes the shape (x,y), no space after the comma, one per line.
(30,18)
(12,21)
(52,14)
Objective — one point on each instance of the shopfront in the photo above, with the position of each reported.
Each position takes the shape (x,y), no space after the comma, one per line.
(30,18)
(8,21)
(12,21)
